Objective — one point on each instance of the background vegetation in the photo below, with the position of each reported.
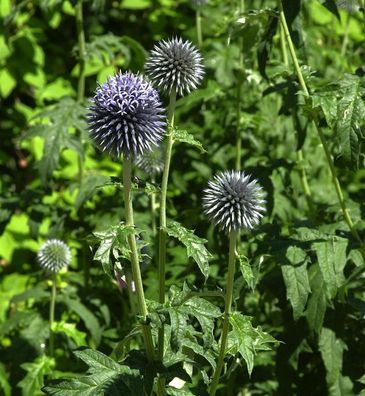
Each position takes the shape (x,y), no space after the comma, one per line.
(306,287)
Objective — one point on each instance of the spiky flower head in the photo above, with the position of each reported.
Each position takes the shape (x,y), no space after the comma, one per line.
(351,6)
(54,255)
(233,201)
(175,64)
(198,3)
(126,116)
(151,163)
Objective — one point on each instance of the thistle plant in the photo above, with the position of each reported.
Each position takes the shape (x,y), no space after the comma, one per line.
(127,119)
(52,257)
(233,201)
(174,66)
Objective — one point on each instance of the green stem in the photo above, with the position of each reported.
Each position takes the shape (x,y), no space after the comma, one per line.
(82,51)
(346,36)
(331,165)
(238,101)
(136,272)
(300,155)
(199,34)
(153,207)
(82,62)
(227,311)
(162,231)
(51,315)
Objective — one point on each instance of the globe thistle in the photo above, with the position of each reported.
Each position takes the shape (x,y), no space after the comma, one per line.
(233,201)
(54,255)
(126,116)
(351,6)
(151,163)
(175,64)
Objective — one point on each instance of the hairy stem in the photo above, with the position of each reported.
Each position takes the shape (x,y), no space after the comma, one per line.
(136,272)
(227,311)
(51,314)
(329,159)
(162,231)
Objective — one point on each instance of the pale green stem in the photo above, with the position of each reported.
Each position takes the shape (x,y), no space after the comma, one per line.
(331,165)
(238,101)
(227,311)
(300,155)
(153,208)
(162,231)
(199,34)
(346,36)
(82,61)
(51,314)
(136,272)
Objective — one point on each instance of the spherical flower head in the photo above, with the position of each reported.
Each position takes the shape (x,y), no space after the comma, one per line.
(151,162)
(351,6)
(233,201)
(54,255)
(126,116)
(175,64)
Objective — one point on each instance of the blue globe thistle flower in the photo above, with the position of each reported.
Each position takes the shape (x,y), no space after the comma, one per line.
(151,163)
(175,64)
(54,255)
(126,116)
(233,201)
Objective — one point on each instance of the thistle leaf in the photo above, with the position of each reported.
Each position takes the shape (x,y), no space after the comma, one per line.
(183,136)
(194,245)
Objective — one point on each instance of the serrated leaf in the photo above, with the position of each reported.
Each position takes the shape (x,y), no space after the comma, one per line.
(331,257)
(247,340)
(97,360)
(296,279)
(183,136)
(331,349)
(55,127)
(317,304)
(199,350)
(194,245)
(33,381)
(113,244)
(246,271)
(350,117)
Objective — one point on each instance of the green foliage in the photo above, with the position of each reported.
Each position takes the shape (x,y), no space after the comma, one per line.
(195,246)
(297,326)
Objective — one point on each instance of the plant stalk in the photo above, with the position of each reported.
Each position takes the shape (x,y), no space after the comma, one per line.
(136,272)
(162,230)
(199,34)
(239,97)
(153,207)
(331,165)
(227,311)
(81,79)
(300,155)
(51,314)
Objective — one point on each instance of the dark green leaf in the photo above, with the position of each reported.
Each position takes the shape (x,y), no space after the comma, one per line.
(194,245)
(296,279)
